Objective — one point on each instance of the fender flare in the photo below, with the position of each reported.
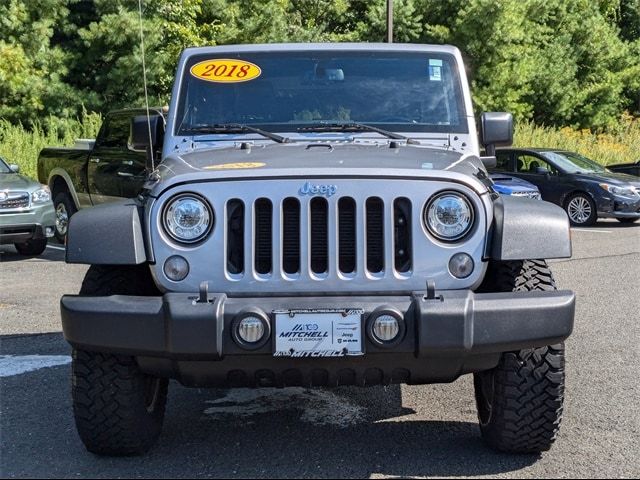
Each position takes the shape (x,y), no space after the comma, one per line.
(59,172)
(108,234)
(528,229)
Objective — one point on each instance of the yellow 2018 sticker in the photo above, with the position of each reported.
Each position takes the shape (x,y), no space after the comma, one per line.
(224,166)
(226,70)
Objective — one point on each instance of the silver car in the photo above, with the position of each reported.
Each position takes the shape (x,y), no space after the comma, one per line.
(27,217)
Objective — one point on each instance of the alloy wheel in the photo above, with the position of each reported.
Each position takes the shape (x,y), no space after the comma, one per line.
(579,209)
(62,219)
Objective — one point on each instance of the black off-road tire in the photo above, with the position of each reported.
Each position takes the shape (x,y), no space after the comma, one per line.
(105,280)
(118,409)
(520,402)
(518,276)
(31,248)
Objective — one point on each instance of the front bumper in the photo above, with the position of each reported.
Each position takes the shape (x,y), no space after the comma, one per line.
(619,207)
(455,333)
(28,224)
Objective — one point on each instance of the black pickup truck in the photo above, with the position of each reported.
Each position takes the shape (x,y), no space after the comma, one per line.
(95,172)
(628,168)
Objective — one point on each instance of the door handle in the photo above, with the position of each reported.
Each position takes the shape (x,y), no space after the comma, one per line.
(94,160)
(127,162)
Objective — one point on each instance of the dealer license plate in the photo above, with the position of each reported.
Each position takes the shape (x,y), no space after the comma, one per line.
(318,333)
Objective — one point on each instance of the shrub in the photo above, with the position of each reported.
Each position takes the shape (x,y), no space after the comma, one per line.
(21,146)
(619,146)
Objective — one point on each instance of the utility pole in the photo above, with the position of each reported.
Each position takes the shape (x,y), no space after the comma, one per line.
(389,21)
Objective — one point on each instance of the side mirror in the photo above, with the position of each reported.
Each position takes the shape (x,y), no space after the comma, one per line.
(496,129)
(542,171)
(14,168)
(139,138)
(139,135)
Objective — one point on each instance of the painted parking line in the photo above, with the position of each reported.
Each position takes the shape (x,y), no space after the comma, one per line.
(589,230)
(11,365)
(56,247)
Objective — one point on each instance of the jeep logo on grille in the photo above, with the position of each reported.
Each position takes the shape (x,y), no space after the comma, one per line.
(311,189)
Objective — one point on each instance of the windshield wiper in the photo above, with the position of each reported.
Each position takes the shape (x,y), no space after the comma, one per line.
(235,128)
(355,127)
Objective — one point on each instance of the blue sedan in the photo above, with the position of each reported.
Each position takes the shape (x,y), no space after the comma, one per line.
(586,190)
(506,185)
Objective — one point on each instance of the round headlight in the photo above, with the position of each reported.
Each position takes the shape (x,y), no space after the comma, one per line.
(188,218)
(449,216)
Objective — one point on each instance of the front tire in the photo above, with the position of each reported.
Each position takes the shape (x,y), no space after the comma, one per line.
(105,280)
(64,208)
(31,248)
(118,409)
(520,402)
(581,209)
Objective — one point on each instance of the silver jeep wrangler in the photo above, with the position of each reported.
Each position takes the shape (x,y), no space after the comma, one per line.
(318,215)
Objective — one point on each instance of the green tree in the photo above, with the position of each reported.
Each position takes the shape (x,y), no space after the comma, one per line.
(629,20)
(554,61)
(32,69)
(558,62)
(407,22)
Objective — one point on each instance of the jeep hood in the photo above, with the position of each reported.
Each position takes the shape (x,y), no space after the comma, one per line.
(317,160)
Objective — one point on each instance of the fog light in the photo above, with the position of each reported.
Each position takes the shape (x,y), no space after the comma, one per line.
(176,268)
(49,232)
(461,265)
(386,328)
(251,329)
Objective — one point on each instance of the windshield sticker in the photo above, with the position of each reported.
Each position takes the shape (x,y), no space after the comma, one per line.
(226,70)
(231,166)
(435,70)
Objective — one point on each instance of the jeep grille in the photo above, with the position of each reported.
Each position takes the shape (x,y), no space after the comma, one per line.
(269,238)
(319,221)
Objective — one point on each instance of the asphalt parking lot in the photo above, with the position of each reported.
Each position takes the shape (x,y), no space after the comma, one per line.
(421,431)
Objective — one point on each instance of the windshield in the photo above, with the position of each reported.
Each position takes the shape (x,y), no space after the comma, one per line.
(286,91)
(573,162)
(4,168)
